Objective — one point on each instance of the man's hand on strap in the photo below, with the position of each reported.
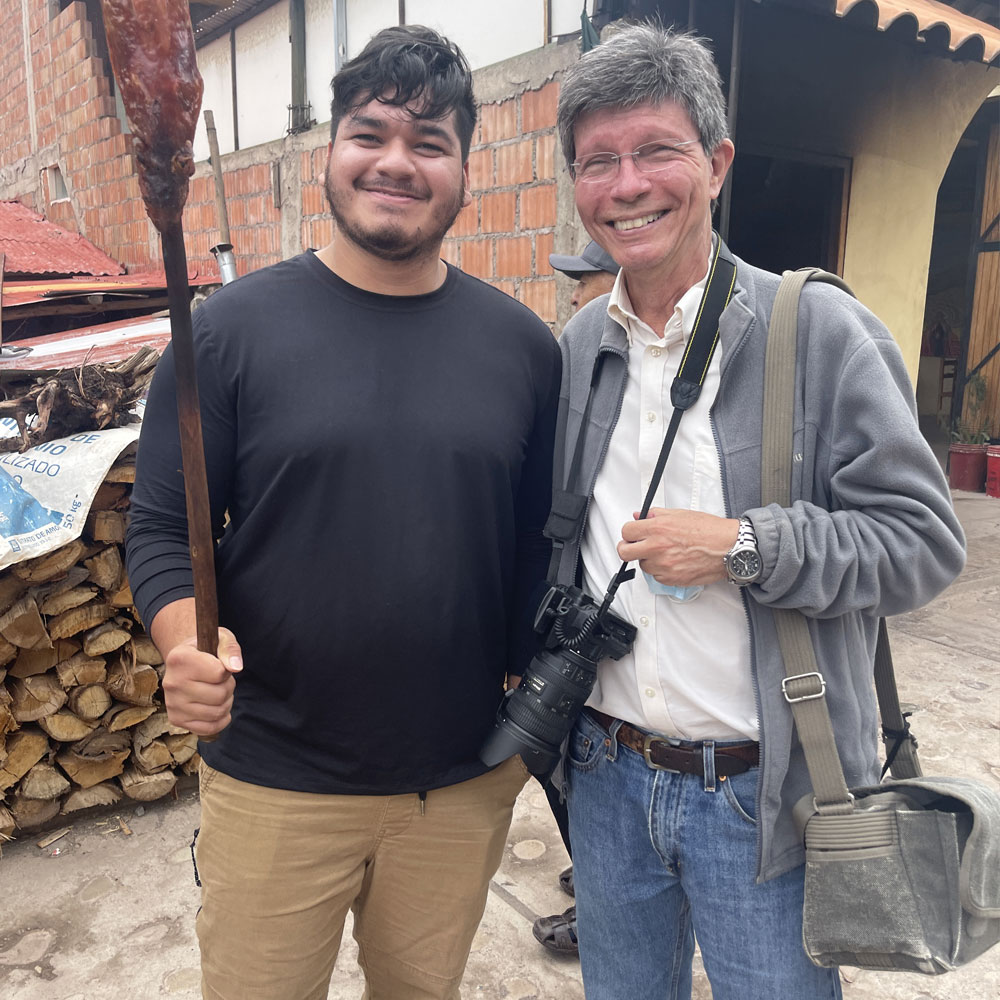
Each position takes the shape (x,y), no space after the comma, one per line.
(680,548)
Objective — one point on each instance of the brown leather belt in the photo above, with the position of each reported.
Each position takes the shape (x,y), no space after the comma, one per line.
(686,757)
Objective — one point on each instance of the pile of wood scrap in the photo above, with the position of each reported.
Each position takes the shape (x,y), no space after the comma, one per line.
(81,710)
(62,403)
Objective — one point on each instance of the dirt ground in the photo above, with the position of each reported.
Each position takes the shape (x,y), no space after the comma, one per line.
(107,911)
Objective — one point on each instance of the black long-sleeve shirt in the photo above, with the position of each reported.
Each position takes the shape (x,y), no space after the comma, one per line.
(385,465)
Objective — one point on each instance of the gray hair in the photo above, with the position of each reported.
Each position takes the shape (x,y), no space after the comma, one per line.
(645,64)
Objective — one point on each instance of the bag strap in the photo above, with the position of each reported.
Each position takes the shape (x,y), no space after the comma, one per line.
(803,686)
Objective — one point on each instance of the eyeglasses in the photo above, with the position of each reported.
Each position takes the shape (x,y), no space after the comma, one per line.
(649,158)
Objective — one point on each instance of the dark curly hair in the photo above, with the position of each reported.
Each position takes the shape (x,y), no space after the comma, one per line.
(407,64)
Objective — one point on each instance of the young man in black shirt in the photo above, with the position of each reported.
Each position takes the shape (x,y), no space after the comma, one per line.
(378,428)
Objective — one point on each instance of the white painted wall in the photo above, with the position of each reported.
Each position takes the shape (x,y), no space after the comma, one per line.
(319,57)
(487,31)
(263,76)
(213,62)
(365,17)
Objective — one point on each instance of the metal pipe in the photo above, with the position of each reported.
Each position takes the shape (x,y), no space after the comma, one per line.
(220,187)
(223,253)
(339,34)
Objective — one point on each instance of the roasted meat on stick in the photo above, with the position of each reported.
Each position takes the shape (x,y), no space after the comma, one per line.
(152,52)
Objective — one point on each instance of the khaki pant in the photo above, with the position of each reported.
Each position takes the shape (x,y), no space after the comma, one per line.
(280,870)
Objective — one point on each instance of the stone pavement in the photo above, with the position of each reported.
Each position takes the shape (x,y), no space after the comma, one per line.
(105,915)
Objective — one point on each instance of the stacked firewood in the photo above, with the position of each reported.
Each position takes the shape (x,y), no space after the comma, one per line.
(81,710)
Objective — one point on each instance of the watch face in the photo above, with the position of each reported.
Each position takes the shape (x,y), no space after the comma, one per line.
(745,564)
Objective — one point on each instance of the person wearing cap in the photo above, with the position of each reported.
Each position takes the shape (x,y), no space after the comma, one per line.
(594,271)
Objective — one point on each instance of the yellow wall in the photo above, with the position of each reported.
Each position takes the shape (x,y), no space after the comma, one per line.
(897,112)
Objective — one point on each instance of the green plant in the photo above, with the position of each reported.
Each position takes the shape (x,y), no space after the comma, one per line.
(972,429)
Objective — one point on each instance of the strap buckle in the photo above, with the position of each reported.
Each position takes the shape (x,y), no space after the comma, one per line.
(647,746)
(810,694)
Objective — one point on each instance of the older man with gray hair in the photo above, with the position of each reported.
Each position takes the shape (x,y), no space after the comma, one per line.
(684,768)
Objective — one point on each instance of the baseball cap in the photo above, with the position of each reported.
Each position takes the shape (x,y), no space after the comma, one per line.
(593,258)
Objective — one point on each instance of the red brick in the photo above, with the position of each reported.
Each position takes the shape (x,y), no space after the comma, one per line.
(449,251)
(499,212)
(514,164)
(499,121)
(507,287)
(467,223)
(543,247)
(540,298)
(514,257)
(481,169)
(538,107)
(538,207)
(545,157)
(477,257)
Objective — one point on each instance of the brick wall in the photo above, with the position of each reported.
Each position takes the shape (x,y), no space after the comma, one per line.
(506,235)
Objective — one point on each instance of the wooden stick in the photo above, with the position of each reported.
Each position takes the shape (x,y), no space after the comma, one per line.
(192,446)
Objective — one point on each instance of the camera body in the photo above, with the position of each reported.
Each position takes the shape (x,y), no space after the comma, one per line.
(535,718)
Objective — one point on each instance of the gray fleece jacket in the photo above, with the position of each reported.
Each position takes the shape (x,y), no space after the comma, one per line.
(870,532)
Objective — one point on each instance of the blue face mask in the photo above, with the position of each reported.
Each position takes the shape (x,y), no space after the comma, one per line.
(679,595)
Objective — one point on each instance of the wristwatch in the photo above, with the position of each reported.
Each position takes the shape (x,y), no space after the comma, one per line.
(743,562)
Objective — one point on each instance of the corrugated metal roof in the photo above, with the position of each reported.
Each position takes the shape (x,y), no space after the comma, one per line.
(94,344)
(936,23)
(20,293)
(33,245)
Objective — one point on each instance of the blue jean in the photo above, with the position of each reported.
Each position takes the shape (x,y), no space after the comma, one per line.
(660,858)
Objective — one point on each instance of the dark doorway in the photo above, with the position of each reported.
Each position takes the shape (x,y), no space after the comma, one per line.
(788,213)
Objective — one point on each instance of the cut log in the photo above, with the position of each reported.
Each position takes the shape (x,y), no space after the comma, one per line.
(66,727)
(105,638)
(105,794)
(81,669)
(182,746)
(35,697)
(152,757)
(146,787)
(106,526)
(7,824)
(123,472)
(122,597)
(24,750)
(155,726)
(56,604)
(11,589)
(120,717)
(51,565)
(7,721)
(105,568)
(90,701)
(145,649)
(32,813)
(190,766)
(80,619)
(22,625)
(7,651)
(95,758)
(44,782)
(73,577)
(110,496)
(36,661)
(135,683)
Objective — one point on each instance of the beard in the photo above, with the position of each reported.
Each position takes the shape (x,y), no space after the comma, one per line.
(390,241)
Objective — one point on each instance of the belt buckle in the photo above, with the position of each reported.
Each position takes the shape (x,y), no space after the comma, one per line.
(647,745)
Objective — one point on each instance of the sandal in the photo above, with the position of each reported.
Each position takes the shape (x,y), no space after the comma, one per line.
(566,881)
(558,932)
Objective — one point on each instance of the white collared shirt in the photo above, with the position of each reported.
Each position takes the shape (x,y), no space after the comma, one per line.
(689,672)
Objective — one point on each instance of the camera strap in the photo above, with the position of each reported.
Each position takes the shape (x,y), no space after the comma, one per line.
(684,393)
